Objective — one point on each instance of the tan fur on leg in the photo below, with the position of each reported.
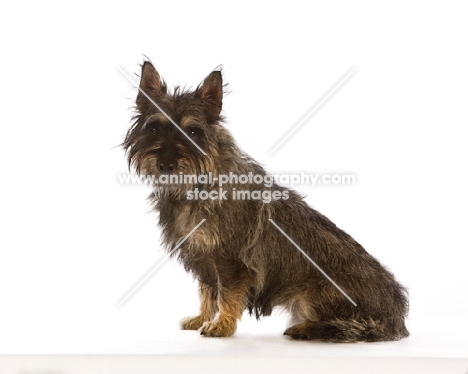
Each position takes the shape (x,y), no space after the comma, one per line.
(231,302)
(208,309)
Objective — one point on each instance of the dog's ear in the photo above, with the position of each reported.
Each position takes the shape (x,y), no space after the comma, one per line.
(211,93)
(150,79)
(150,83)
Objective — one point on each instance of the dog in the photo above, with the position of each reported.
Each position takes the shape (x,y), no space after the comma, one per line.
(264,249)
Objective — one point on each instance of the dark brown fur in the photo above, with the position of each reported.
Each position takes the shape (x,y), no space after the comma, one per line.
(239,258)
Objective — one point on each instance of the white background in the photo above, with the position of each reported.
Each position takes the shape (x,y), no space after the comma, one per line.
(74,241)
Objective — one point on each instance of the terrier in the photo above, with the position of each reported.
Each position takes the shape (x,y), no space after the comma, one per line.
(258,250)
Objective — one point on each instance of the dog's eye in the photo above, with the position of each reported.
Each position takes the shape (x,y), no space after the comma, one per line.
(193,132)
(152,127)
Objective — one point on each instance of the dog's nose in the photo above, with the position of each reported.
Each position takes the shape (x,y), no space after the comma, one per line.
(167,167)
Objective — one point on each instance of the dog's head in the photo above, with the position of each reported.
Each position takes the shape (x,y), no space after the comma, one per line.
(177,132)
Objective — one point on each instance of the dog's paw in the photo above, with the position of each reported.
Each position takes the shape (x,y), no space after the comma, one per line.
(300,331)
(191,323)
(219,328)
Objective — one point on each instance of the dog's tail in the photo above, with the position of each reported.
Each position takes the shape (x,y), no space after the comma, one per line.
(341,330)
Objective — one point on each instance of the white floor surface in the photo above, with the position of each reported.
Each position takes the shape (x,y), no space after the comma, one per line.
(436,345)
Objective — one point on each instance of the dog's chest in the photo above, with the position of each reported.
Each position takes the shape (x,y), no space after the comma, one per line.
(198,230)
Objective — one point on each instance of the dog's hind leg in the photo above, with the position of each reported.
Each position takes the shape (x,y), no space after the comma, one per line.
(344,330)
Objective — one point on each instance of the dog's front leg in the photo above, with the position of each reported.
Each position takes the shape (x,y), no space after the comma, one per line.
(233,289)
(208,308)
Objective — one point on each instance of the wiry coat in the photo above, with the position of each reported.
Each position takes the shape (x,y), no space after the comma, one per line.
(239,257)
